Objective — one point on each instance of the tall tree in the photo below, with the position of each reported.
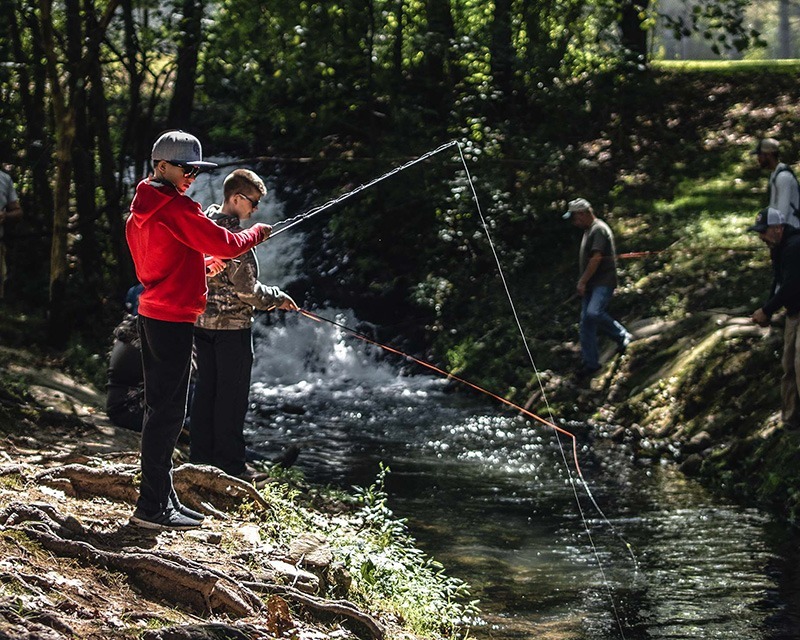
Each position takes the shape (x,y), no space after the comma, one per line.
(191,35)
(502,48)
(65,117)
(633,29)
(784,30)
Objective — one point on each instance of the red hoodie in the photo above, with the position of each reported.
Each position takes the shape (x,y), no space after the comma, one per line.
(168,234)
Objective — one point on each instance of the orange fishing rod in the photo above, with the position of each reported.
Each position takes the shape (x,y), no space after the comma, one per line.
(452,376)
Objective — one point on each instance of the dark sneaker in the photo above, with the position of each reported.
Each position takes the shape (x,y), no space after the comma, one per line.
(169,519)
(587,372)
(287,457)
(622,346)
(182,508)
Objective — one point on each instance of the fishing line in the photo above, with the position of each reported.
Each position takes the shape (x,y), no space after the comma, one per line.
(288,223)
(552,419)
(450,376)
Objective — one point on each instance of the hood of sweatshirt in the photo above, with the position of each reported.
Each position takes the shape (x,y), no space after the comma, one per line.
(150,197)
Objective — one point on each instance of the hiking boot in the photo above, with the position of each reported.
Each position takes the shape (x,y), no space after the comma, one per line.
(183,509)
(253,476)
(622,346)
(168,519)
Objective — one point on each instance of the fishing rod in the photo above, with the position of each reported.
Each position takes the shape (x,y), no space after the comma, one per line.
(288,223)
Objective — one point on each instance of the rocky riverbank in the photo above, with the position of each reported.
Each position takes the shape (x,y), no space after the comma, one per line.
(701,392)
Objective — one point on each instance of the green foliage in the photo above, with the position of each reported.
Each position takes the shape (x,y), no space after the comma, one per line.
(722,23)
(389,573)
(386,565)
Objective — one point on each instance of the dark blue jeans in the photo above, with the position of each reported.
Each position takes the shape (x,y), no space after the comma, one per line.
(221,398)
(166,362)
(594,317)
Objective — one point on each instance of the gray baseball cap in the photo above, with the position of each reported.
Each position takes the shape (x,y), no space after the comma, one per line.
(765,219)
(181,148)
(767,145)
(578,204)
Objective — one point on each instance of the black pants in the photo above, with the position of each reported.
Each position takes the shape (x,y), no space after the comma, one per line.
(166,361)
(221,394)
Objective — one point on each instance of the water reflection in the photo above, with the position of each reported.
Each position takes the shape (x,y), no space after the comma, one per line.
(488,495)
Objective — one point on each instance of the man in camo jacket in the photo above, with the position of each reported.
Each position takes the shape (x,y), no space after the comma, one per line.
(224,342)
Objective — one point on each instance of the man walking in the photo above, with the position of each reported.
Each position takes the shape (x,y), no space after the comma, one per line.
(783,191)
(598,279)
(783,242)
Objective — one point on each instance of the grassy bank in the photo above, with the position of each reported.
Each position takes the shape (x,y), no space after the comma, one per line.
(700,385)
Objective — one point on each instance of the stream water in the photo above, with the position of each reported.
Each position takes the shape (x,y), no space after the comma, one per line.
(489,496)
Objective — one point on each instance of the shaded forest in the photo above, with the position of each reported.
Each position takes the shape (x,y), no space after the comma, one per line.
(548,98)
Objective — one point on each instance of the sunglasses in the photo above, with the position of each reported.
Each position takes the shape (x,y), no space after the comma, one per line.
(253,203)
(189,171)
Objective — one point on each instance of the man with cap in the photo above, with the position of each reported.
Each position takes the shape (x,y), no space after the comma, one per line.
(168,236)
(598,279)
(783,191)
(783,242)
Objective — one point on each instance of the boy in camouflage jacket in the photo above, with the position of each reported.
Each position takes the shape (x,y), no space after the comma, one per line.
(224,341)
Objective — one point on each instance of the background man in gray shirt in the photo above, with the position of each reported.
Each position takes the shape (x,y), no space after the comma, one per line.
(598,279)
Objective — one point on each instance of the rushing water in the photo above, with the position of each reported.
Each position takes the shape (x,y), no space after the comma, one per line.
(489,495)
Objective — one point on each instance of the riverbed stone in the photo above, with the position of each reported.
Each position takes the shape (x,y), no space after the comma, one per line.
(698,442)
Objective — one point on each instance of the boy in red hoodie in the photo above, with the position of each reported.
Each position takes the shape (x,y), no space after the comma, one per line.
(168,236)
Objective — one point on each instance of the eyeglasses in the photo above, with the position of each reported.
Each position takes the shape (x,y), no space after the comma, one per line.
(253,203)
(189,171)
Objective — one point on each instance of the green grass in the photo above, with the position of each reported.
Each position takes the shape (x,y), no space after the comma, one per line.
(728,66)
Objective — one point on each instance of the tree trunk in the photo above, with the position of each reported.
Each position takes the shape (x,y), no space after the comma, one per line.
(784,30)
(58,328)
(180,107)
(84,170)
(633,33)
(441,32)
(98,119)
(397,51)
(134,140)
(502,49)
(32,83)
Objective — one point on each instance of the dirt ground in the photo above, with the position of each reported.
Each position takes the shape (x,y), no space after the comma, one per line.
(71,566)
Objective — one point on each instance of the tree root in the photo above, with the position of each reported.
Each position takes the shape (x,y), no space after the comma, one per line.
(341,608)
(175,578)
(201,487)
(196,484)
(78,480)
(200,588)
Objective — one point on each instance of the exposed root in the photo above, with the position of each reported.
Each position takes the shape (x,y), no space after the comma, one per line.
(78,480)
(197,484)
(180,582)
(201,487)
(341,608)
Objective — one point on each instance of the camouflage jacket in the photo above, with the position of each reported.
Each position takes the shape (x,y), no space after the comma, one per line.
(234,293)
